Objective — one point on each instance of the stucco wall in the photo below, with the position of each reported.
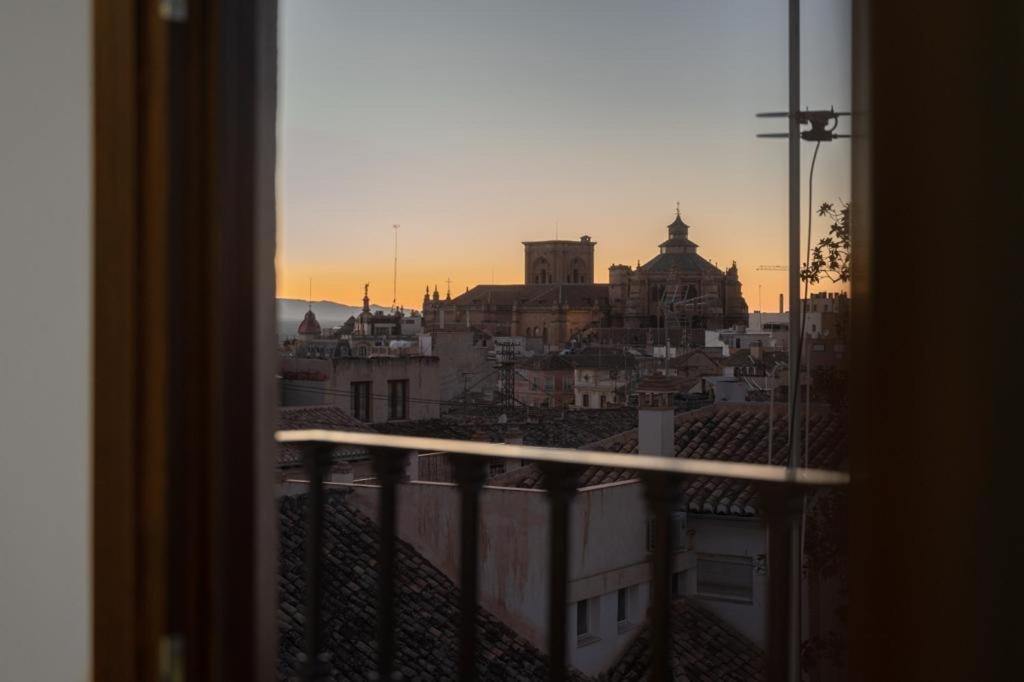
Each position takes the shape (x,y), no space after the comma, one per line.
(463,363)
(422,372)
(45,305)
(607,551)
(731,536)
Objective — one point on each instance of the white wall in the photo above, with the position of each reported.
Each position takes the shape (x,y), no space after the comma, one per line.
(45,121)
(607,551)
(735,537)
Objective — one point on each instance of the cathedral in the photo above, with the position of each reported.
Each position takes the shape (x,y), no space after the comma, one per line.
(558,301)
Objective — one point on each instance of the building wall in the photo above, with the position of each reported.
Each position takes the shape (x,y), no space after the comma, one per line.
(607,551)
(463,363)
(554,260)
(733,537)
(551,387)
(45,305)
(335,387)
(595,383)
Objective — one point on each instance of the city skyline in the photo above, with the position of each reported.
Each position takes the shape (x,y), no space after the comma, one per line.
(477,126)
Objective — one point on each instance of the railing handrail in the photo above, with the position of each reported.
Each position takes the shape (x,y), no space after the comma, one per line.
(683,466)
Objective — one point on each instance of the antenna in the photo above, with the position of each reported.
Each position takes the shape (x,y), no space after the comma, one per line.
(394,294)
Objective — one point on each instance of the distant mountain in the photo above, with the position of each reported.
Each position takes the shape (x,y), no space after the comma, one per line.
(290,312)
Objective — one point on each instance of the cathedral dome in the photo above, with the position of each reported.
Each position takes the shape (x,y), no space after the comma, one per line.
(309,325)
(678,253)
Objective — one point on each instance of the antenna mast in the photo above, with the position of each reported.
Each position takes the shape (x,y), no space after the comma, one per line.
(394,294)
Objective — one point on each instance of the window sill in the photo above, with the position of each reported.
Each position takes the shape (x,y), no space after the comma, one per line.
(586,640)
(725,598)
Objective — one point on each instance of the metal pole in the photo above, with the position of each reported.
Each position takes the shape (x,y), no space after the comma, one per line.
(793,546)
(794,229)
(771,413)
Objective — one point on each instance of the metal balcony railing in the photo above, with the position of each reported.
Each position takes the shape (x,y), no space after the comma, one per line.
(781,487)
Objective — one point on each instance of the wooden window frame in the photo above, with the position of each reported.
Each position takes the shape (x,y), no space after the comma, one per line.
(184,522)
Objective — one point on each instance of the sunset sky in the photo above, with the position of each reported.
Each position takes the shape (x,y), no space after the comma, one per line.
(478,124)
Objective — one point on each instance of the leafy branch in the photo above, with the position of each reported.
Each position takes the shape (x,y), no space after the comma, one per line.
(831,257)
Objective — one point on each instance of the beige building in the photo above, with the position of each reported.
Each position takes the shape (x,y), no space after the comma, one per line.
(371,389)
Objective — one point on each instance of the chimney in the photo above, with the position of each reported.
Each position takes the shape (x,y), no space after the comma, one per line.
(780,303)
(656,425)
(340,473)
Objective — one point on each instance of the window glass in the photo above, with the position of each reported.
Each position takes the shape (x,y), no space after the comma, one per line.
(582,626)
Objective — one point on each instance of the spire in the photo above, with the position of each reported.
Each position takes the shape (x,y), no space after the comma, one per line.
(366,297)
(311,293)
(678,229)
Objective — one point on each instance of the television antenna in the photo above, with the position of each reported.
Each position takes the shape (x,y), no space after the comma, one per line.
(394,290)
(823,124)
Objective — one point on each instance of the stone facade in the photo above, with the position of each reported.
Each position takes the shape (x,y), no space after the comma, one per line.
(677,287)
(560,261)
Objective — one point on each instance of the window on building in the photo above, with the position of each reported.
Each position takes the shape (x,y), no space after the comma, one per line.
(398,399)
(726,577)
(361,391)
(604,400)
(549,383)
(586,400)
(587,621)
(622,607)
(679,584)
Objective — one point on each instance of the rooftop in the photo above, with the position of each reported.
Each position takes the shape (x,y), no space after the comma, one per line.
(309,325)
(427,606)
(729,432)
(316,417)
(550,427)
(573,295)
(703,648)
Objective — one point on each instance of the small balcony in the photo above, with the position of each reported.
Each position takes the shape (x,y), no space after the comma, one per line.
(382,626)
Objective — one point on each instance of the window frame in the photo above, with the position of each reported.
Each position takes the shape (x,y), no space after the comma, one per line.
(364,390)
(730,559)
(582,623)
(393,404)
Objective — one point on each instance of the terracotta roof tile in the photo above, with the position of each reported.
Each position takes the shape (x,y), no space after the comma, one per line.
(729,432)
(427,604)
(328,417)
(539,426)
(703,648)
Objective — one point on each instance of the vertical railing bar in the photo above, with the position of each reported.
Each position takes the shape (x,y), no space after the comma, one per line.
(561,486)
(469,473)
(782,507)
(317,458)
(388,465)
(659,489)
